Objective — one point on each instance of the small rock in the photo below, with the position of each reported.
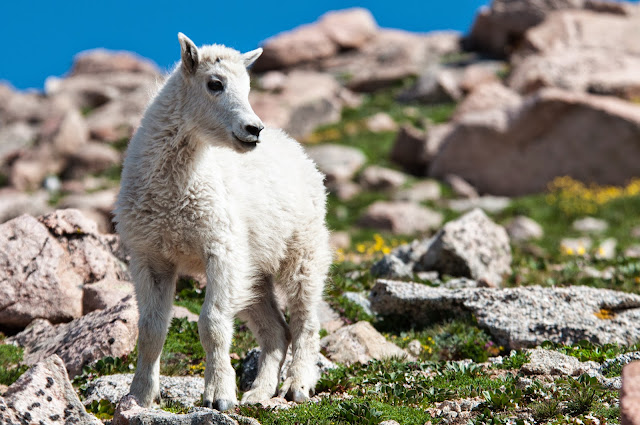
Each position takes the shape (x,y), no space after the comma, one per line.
(380,122)
(632,252)
(576,246)
(359,299)
(104,294)
(410,150)
(250,367)
(424,190)
(359,343)
(340,240)
(549,362)
(328,317)
(414,348)
(129,412)
(460,186)
(438,84)
(400,217)
(337,162)
(182,312)
(523,228)
(607,249)
(379,178)
(392,267)
(273,81)
(14,203)
(490,204)
(42,394)
(344,190)
(472,246)
(389,422)
(590,225)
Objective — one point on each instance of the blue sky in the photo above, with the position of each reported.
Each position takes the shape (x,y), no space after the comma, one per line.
(39,38)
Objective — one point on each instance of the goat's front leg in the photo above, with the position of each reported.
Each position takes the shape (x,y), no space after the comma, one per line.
(224,284)
(155,286)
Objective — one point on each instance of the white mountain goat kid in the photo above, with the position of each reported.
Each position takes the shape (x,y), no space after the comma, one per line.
(207,190)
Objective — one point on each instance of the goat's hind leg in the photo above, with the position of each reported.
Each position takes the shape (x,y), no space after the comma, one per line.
(155,286)
(272,332)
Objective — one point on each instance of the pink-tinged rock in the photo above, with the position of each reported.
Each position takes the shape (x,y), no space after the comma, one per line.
(424,190)
(380,122)
(461,187)
(21,106)
(91,254)
(506,150)
(14,203)
(104,294)
(98,61)
(15,137)
(183,312)
(306,100)
(129,412)
(410,149)
(359,343)
(337,162)
(44,395)
(498,29)
(90,91)
(582,51)
(71,134)
(583,29)
(93,158)
(118,119)
(375,177)
(350,28)
(486,97)
(111,332)
(306,43)
(340,240)
(479,73)
(401,218)
(31,168)
(391,56)
(414,149)
(37,279)
(630,394)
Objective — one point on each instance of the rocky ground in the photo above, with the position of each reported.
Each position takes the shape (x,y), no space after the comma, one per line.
(484,198)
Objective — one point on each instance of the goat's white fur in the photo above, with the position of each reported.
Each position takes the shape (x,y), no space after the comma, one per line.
(203,194)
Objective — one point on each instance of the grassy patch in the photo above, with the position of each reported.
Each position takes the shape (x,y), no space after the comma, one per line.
(588,351)
(10,367)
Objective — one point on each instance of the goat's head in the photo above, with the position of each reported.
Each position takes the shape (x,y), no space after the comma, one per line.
(217,93)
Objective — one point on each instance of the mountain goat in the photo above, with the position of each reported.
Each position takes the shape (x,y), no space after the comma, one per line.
(206,189)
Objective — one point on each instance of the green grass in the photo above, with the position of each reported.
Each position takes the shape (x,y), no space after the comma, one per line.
(10,364)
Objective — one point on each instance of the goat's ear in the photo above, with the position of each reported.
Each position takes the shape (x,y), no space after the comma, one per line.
(189,53)
(250,57)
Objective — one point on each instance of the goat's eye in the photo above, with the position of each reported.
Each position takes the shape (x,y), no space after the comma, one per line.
(215,86)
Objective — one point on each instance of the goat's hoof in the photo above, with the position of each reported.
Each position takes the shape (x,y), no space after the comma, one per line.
(207,404)
(297,395)
(223,405)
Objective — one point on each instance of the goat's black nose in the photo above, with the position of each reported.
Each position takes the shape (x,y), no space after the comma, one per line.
(253,130)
